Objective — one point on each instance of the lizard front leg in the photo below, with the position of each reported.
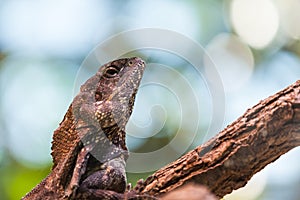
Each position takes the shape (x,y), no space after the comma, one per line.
(79,170)
(110,176)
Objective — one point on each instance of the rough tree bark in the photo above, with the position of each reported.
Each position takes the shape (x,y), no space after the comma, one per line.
(227,161)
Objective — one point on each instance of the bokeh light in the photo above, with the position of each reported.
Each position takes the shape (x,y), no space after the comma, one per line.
(255,21)
(233,59)
(290,17)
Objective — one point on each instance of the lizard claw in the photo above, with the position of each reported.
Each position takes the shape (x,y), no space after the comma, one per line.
(70,191)
(128,187)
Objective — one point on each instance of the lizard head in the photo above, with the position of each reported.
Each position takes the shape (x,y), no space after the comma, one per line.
(106,100)
(117,88)
(115,95)
(119,79)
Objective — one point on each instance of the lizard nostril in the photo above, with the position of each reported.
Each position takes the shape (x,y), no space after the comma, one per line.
(139,61)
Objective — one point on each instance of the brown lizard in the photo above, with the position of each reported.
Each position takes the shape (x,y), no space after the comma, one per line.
(88,148)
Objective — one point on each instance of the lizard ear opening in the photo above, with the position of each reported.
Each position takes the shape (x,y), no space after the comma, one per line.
(98,96)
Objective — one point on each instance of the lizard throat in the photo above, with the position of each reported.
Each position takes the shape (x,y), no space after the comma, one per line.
(116,135)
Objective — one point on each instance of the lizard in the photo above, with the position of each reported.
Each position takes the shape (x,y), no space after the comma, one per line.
(88,149)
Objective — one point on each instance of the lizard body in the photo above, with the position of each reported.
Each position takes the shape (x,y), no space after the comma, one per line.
(88,148)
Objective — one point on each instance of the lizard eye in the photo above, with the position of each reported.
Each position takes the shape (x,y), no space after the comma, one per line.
(111,71)
(130,63)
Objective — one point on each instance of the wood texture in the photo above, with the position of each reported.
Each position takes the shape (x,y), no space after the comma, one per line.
(227,161)
(191,192)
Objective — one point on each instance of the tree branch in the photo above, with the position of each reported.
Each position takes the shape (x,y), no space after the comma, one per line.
(227,161)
